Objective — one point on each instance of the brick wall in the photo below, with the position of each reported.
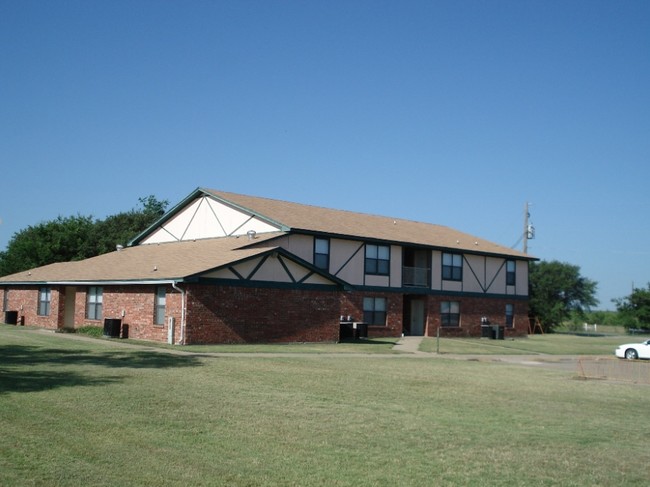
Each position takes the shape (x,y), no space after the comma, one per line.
(352,305)
(24,300)
(135,306)
(225,314)
(472,309)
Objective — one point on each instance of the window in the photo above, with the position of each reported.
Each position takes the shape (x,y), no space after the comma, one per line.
(452,267)
(377,259)
(94,303)
(510,315)
(44,298)
(450,313)
(511,267)
(160,302)
(322,253)
(374,311)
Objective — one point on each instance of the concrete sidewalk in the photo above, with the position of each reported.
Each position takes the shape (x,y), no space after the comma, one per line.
(409,345)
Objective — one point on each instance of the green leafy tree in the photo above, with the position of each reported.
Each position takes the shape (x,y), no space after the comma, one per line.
(635,308)
(59,240)
(556,290)
(75,238)
(120,229)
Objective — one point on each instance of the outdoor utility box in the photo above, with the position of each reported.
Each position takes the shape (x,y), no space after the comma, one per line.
(353,329)
(346,331)
(498,332)
(11,317)
(112,327)
(361,330)
(487,331)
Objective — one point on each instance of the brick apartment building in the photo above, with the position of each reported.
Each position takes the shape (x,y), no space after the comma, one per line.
(229,268)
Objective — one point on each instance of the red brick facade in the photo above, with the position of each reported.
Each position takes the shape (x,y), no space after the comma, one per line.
(226,314)
(229,314)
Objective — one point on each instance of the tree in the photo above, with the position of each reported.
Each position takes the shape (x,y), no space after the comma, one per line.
(635,308)
(59,240)
(120,229)
(75,238)
(557,289)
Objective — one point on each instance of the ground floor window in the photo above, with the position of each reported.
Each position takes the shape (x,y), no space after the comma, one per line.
(161,300)
(94,303)
(44,299)
(510,315)
(450,313)
(374,311)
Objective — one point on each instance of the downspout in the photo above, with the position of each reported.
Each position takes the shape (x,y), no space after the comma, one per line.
(183,306)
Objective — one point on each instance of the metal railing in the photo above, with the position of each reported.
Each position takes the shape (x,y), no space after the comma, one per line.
(415,276)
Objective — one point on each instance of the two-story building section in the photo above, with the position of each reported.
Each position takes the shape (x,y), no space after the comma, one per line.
(228,268)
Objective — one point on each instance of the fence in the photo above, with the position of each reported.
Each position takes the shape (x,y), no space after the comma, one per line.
(614,369)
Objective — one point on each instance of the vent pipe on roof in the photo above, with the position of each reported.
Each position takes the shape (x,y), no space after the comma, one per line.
(251,234)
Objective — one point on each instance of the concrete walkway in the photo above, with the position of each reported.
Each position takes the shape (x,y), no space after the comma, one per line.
(409,345)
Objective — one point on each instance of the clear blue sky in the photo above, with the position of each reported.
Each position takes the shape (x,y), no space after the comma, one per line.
(451,112)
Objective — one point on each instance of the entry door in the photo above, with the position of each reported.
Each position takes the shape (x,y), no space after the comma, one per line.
(68,317)
(417,317)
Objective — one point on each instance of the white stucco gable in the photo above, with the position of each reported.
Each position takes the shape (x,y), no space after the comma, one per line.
(205,217)
(275,266)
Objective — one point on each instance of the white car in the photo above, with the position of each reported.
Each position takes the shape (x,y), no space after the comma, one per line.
(633,351)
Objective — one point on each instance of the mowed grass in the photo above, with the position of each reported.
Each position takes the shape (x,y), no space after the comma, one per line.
(100,413)
(553,344)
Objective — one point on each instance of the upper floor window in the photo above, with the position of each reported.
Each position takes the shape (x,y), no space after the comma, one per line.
(452,267)
(159,307)
(511,274)
(44,299)
(450,313)
(94,303)
(374,311)
(322,253)
(510,315)
(377,259)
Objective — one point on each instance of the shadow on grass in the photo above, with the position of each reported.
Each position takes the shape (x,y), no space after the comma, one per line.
(30,369)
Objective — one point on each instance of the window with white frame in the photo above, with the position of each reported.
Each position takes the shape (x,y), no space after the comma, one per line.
(511,274)
(374,311)
(449,313)
(160,303)
(44,300)
(94,303)
(510,315)
(322,253)
(377,259)
(452,267)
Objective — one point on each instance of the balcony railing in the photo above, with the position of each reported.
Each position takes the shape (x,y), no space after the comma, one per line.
(415,276)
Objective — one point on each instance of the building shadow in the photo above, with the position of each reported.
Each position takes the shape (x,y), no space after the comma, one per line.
(31,369)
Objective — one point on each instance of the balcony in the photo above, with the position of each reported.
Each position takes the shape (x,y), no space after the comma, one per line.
(415,276)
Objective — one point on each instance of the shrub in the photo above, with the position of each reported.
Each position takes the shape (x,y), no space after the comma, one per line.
(91,330)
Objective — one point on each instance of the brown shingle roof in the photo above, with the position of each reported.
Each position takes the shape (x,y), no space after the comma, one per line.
(308,218)
(168,261)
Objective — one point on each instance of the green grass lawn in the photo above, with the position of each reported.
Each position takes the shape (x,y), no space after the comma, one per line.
(103,413)
(554,344)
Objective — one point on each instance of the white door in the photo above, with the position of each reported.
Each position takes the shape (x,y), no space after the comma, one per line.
(68,317)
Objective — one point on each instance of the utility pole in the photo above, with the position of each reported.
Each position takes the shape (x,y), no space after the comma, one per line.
(529,230)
